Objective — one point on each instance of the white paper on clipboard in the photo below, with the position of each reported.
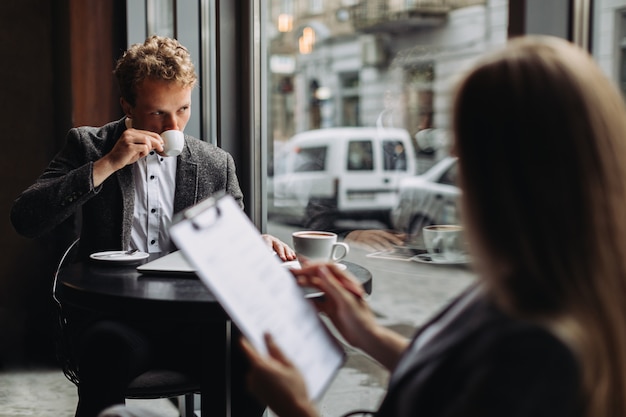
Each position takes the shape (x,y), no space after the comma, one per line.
(233,261)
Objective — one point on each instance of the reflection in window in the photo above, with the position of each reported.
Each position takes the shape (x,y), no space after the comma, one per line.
(360,157)
(310,159)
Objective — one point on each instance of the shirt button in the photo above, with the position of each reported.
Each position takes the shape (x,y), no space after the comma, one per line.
(152,242)
(151,152)
(151,177)
(153,210)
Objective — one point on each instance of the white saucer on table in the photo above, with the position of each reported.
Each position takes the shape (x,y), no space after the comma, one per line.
(309,292)
(296,265)
(427,258)
(119,257)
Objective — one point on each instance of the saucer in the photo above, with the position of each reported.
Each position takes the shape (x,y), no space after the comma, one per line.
(296,265)
(118,257)
(427,258)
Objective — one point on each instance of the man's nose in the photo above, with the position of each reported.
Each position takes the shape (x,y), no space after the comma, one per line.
(170,123)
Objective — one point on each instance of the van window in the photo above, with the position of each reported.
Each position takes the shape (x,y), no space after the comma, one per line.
(394,154)
(360,157)
(310,159)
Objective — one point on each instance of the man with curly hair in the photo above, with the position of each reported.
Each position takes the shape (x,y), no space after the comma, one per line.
(126,192)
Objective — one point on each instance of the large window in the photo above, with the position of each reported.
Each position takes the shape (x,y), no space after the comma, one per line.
(355,63)
(364,64)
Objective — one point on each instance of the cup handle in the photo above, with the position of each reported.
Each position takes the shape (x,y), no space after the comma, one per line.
(333,255)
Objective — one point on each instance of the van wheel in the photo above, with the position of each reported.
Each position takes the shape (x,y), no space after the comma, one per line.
(416,224)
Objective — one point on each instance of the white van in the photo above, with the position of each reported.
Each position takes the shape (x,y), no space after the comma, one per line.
(346,173)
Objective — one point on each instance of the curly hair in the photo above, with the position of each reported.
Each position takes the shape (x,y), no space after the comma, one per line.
(158,58)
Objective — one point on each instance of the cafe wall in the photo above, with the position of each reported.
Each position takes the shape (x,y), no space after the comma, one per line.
(57,59)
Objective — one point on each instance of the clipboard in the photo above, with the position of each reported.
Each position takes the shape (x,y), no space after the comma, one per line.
(260,296)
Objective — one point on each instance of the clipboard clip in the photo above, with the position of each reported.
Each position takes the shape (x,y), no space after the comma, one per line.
(205,213)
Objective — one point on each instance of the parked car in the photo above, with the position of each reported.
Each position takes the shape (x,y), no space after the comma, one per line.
(429,198)
(324,175)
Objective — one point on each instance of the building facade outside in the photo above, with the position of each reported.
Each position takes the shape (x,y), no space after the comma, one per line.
(374,62)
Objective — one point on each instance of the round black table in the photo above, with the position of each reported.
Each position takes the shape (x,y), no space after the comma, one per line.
(121,290)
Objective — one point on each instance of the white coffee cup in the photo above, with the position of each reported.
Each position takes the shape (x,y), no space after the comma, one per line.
(445,241)
(173,142)
(318,246)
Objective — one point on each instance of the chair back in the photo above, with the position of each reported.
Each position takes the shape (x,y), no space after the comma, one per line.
(67,257)
(62,343)
(154,383)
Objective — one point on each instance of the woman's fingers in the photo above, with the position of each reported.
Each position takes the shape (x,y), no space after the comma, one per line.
(274,351)
(348,281)
(329,277)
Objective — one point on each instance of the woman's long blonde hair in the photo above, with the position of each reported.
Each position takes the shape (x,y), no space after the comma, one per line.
(540,133)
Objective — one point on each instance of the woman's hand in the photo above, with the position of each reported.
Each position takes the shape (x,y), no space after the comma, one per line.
(375,239)
(343,301)
(283,250)
(275,381)
(344,304)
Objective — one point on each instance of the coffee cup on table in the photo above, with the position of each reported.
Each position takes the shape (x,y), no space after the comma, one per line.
(318,246)
(445,242)
(173,142)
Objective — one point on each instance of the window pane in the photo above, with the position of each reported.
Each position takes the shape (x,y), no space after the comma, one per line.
(394,156)
(378,74)
(609,39)
(360,156)
(310,159)
(160,17)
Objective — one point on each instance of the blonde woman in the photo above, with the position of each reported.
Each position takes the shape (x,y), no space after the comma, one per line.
(541,138)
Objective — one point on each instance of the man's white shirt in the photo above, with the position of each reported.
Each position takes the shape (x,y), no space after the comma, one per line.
(155,184)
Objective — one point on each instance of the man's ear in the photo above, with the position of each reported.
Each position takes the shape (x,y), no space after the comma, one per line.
(126,107)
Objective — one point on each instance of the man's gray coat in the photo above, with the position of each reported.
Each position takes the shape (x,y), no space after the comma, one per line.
(106,212)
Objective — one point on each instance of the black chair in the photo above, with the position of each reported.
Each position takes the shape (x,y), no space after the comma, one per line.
(152,384)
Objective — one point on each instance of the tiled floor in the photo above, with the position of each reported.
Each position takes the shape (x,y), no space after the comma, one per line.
(36,393)
(46,392)
(404,295)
